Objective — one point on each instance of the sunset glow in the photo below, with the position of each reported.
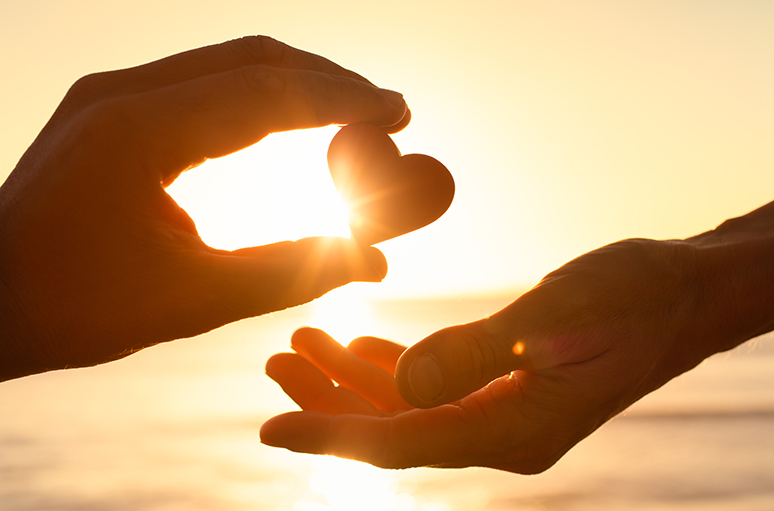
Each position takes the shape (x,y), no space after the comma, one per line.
(344,314)
(567,125)
(277,190)
(564,130)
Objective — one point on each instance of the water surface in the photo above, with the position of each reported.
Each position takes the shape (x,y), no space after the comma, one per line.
(176,428)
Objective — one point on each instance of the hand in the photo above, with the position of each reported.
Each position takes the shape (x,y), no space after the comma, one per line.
(97,261)
(528,383)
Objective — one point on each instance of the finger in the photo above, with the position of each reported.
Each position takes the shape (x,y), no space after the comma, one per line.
(246,51)
(254,281)
(411,439)
(522,423)
(343,366)
(180,126)
(400,124)
(380,352)
(504,426)
(311,389)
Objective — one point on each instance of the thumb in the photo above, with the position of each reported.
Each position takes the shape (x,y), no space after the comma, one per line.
(259,280)
(543,328)
(453,362)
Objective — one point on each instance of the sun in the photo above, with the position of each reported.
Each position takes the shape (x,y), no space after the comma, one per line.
(279,189)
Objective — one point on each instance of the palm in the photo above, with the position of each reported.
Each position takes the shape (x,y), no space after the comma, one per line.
(478,430)
(597,335)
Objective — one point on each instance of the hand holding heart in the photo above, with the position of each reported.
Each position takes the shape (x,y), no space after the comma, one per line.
(97,261)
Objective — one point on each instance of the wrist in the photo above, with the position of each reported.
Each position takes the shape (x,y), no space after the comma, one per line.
(19,354)
(735,272)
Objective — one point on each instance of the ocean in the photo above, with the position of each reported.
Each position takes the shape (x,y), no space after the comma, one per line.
(175,427)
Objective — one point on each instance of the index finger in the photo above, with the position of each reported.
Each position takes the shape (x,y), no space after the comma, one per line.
(380,352)
(497,427)
(456,435)
(412,439)
(192,64)
(350,371)
(246,51)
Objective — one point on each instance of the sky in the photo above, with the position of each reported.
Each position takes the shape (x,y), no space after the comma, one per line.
(566,125)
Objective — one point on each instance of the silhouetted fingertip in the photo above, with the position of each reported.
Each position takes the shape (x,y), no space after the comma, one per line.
(299,338)
(269,369)
(269,432)
(276,364)
(377,262)
(400,124)
(296,431)
(313,341)
(266,80)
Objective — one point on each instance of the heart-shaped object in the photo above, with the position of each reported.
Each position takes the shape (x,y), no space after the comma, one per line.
(387,194)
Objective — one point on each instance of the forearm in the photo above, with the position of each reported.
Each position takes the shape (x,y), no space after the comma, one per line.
(736,265)
(15,360)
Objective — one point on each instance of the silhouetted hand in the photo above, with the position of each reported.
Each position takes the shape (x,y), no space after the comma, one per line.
(531,381)
(97,261)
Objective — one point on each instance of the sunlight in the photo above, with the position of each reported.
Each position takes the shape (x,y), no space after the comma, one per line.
(348,485)
(344,313)
(353,486)
(359,221)
(279,189)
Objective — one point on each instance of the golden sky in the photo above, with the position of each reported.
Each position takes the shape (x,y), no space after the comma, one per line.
(566,124)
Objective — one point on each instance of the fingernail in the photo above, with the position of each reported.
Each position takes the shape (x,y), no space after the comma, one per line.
(426,379)
(404,121)
(392,97)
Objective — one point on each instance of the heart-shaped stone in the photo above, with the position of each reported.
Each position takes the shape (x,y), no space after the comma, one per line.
(387,194)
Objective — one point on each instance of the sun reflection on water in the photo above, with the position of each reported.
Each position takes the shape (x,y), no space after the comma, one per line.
(352,486)
(337,484)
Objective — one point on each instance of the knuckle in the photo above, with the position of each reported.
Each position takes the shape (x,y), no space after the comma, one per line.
(108,121)
(264,80)
(92,131)
(86,85)
(404,448)
(86,91)
(396,458)
(103,134)
(395,455)
(259,49)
